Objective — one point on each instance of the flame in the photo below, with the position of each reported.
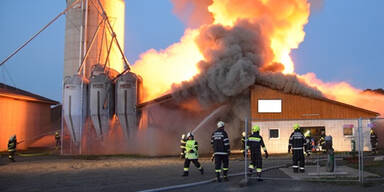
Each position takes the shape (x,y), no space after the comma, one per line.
(282,21)
(160,69)
(346,93)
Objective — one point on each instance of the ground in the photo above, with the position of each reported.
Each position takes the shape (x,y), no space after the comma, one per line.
(128,173)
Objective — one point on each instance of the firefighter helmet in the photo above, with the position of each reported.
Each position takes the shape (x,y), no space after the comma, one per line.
(220,124)
(13,137)
(255,128)
(296,126)
(190,134)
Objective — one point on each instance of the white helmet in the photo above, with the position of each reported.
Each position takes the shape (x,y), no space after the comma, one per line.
(190,134)
(220,124)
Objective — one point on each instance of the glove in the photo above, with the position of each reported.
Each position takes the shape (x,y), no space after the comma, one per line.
(182,156)
(266,155)
(212,157)
(289,151)
(308,154)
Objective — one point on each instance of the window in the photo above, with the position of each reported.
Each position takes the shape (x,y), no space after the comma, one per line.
(273,133)
(269,106)
(348,130)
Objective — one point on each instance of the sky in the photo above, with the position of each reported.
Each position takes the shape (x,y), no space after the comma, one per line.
(344,41)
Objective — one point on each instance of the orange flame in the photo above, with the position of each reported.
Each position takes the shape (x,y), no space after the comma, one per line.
(160,69)
(283,21)
(346,93)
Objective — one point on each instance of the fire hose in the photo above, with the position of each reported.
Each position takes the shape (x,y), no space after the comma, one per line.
(173,187)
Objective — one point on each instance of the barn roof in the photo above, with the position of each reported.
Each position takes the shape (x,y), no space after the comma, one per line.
(15,93)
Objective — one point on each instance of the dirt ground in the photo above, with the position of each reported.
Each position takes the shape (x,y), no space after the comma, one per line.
(126,173)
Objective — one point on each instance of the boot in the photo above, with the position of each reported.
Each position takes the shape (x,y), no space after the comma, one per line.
(249,172)
(218,179)
(185,174)
(202,171)
(302,170)
(259,176)
(225,173)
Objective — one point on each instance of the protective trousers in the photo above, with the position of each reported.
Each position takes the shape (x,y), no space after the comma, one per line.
(187,162)
(11,155)
(221,159)
(374,144)
(256,161)
(298,156)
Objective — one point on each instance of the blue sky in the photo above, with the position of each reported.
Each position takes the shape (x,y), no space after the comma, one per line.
(344,41)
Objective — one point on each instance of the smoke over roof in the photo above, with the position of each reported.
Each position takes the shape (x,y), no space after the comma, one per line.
(235,59)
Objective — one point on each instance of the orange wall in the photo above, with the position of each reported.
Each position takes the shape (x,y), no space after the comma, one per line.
(28,120)
(299,107)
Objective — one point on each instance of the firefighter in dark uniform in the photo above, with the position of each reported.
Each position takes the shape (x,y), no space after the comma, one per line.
(255,142)
(183,140)
(12,148)
(296,143)
(57,138)
(221,149)
(322,141)
(191,154)
(308,142)
(373,138)
(243,150)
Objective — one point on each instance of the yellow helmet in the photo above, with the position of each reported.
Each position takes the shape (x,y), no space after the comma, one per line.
(296,126)
(255,128)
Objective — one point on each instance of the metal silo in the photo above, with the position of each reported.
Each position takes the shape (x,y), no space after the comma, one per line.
(126,101)
(74,106)
(101,101)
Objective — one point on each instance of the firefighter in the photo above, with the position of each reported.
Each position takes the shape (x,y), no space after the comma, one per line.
(57,138)
(322,140)
(373,137)
(12,148)
(255,142)
(296,143)
(308,142)
(191,154)
(243,150)
(221,149)
(183,140)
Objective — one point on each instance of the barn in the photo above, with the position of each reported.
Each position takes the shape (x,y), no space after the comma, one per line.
(25,114)
(276,112)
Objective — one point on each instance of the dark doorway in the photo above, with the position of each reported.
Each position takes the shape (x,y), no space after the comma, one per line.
(315,132)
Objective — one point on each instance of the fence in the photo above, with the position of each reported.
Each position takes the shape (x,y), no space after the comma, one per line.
(350,158)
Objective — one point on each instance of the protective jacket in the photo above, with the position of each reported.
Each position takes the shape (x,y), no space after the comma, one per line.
(296,140)
(220,142)
(182,147)
(12,145)
(373,137)
(255,142)
(191,148)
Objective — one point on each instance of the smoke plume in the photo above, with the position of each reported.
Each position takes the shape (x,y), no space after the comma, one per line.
(233,59)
